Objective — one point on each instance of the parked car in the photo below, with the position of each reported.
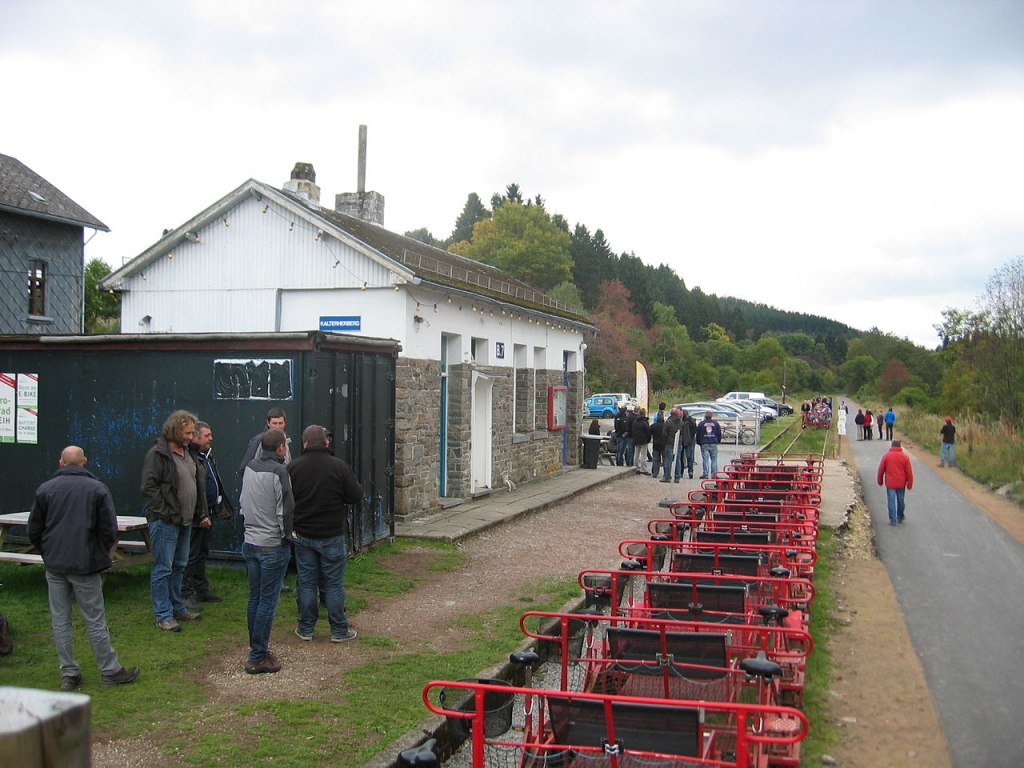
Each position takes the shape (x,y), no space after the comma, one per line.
(621,398)
(720,411)
(781,408)
(601,406)
(740,395)
(766,413)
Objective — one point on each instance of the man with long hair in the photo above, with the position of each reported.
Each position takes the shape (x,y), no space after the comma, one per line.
(174,487)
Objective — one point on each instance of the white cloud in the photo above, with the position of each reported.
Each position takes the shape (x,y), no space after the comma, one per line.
(868,150)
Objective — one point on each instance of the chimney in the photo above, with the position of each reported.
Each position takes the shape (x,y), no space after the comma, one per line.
(302,184)
(368,206)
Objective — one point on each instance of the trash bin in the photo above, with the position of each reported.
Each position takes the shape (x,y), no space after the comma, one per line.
(591,450)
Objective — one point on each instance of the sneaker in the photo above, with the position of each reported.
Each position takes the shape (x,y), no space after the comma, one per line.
(268,664)
(892,522)
(188,616)
(123,676)
(169,625)
(70,682)
(349,634)
(665,480)
(676,480)
(691,475)
(209,597)
(191,603)
(298,634)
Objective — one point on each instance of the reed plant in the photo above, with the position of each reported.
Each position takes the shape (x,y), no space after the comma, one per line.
(990,452)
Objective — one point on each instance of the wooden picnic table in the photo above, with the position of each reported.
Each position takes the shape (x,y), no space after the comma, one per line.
(127,551)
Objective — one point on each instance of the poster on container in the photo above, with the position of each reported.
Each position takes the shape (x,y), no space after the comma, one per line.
(8,388)
(28,408)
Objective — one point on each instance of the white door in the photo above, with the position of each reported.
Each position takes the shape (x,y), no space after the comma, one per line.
(480,439)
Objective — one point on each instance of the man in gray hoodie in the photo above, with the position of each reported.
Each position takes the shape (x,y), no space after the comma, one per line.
(267,506)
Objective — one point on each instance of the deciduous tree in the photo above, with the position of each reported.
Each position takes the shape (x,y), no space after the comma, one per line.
(524,242)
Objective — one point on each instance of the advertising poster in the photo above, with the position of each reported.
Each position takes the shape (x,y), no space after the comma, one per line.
(27,428)
(8,384)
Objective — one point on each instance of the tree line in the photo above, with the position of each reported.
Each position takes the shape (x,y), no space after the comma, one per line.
(694,343)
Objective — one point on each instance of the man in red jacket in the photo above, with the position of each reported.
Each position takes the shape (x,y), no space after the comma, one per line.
(898,475)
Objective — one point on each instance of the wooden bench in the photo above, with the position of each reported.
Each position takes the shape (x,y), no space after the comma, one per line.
(24,558)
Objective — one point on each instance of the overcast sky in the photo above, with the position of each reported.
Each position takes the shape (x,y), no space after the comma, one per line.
(861,160)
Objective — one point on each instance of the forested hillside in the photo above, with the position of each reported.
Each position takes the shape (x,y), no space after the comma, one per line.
(698,343)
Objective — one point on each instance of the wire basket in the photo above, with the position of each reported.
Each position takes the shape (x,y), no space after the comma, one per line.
(497,712)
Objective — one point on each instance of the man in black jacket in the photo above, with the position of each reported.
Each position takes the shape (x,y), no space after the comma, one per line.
(195,586)
(74,525)
(323,485)
(174,487)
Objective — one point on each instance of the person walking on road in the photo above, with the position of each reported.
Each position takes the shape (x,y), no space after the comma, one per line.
(897,474)
(947,452)
(74,525)
(890,419)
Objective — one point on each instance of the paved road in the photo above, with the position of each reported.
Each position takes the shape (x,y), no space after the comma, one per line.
(959,580)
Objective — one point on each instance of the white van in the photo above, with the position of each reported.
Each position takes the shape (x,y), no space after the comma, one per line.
(740,396)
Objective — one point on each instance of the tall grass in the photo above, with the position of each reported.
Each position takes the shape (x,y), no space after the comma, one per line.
(991,453)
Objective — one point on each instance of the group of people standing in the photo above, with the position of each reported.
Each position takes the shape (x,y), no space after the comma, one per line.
(300,504)
(867,421)
(664,445)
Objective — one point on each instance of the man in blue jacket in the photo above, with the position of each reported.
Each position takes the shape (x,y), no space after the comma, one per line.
(74,525)
(709,435)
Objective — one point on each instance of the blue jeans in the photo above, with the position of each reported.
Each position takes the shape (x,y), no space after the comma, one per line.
(630,451)
(321,562)
(708,459)
(620,453)
(947,454)
(87,591)
(265,567)
(170,544)
(896,504)
(666,462)
(685,462)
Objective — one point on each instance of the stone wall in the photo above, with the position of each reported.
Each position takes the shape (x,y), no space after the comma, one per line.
(516,457)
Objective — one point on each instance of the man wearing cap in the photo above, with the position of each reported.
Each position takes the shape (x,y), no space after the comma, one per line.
(947,452)
(897,474)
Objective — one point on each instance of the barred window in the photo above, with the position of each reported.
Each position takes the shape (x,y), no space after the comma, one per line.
(37,288)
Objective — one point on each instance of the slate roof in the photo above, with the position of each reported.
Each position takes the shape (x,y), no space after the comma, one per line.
(22,190)
(441,267)
(431,265)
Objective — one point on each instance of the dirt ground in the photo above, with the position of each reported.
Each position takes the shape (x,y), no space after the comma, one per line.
(880,699)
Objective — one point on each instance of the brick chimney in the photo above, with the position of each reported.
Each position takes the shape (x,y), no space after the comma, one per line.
(368,206)
(302,184)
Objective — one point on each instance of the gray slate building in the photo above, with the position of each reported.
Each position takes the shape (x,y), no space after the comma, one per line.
(41,252)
